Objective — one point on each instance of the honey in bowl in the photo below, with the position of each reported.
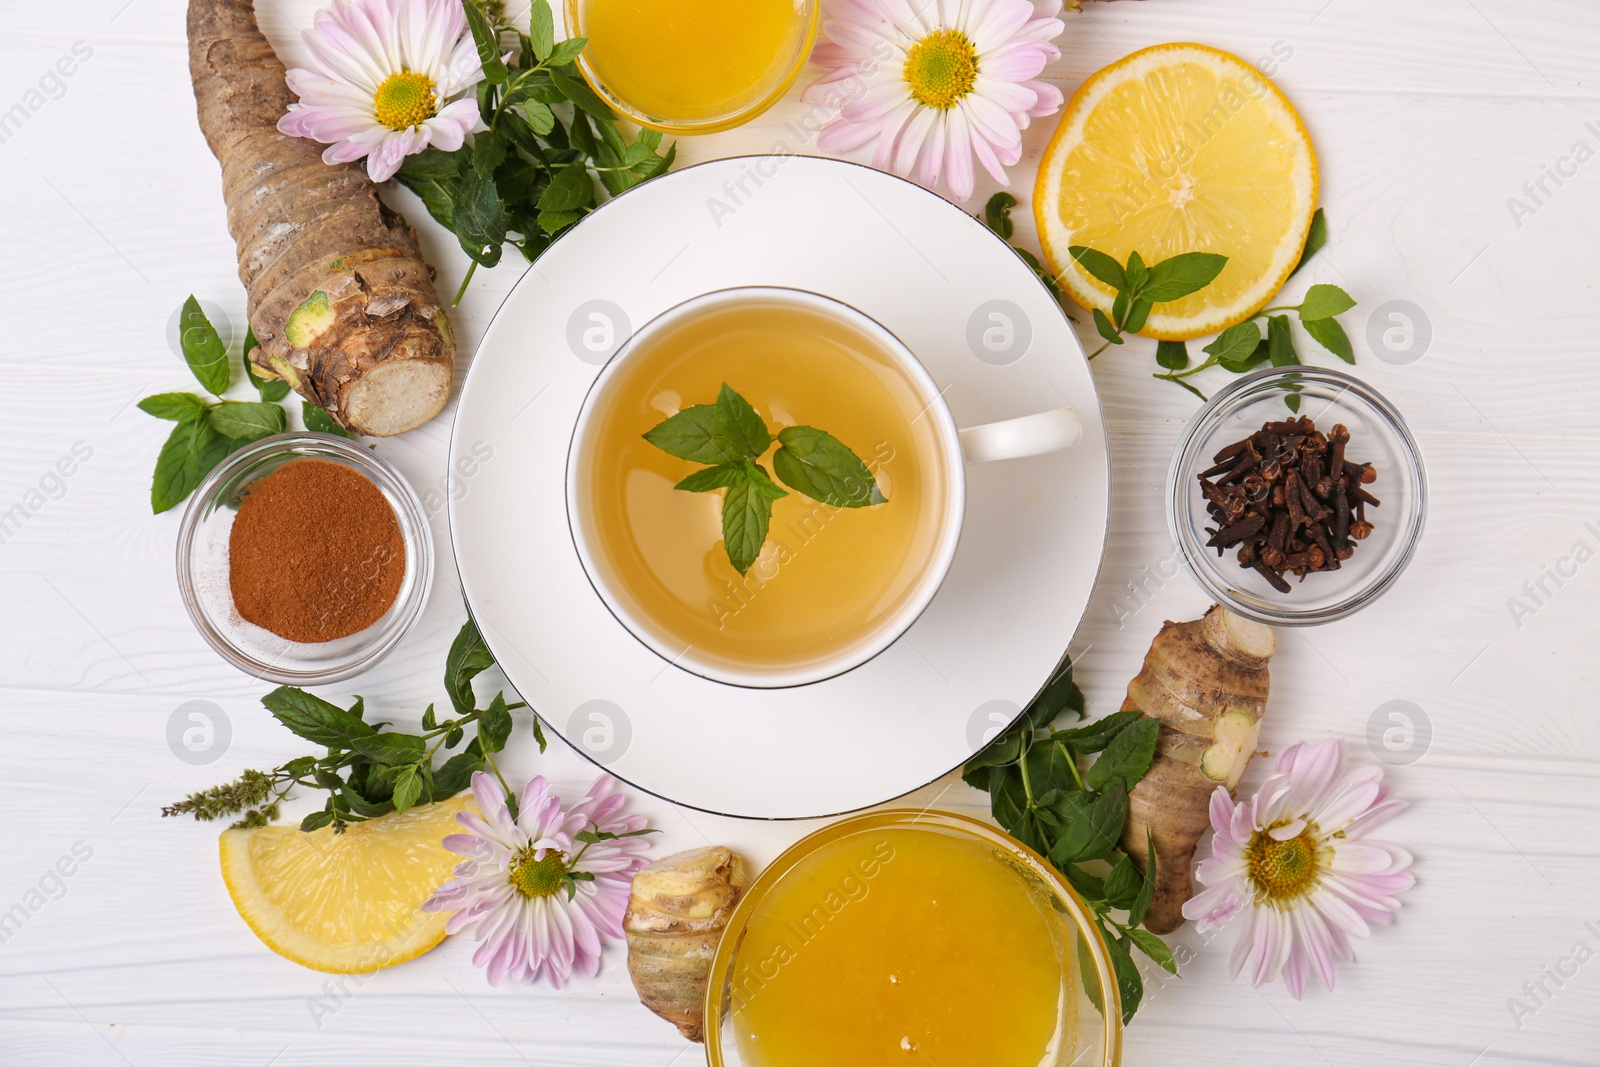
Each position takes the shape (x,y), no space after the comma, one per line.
(687,65)
(896,946)
(829,579)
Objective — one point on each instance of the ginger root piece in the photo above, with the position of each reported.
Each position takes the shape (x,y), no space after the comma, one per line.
(1206,681)
(340,298)
(677,910)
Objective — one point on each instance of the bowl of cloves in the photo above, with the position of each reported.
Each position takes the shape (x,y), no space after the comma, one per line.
(1296,495)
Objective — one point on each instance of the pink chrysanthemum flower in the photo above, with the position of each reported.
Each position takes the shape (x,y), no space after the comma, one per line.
(386,83)
(543,890)
(1297,854)
(936,82)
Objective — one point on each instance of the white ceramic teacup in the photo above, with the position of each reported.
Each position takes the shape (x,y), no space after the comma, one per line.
(1029,435)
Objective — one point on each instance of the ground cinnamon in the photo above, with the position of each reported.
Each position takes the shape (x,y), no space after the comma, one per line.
(315,553)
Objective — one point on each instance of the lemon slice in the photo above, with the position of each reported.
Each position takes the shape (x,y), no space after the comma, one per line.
(1179,148)
(345,903)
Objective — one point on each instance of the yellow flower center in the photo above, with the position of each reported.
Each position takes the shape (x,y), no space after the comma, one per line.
(941,69)
(405,99)
(539,878)
(1283,871)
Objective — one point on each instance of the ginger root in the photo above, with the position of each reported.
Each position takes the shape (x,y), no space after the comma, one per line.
(677,910)
(340,299)
(1206,682)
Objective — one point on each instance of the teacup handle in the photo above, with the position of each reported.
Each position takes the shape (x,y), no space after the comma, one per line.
(1030,435)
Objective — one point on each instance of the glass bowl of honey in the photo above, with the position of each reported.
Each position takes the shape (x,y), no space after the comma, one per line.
(692,66)
(903,936)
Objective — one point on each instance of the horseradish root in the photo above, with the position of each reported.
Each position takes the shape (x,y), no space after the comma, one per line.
(1206,682)
(676,913)
(340,298)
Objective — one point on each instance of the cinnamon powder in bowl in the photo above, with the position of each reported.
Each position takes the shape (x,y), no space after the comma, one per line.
(315,552)
(304,558)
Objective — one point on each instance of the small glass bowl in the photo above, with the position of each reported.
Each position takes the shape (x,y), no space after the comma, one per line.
(1096,1037)
(763,97)
(203,565)
(1378,435)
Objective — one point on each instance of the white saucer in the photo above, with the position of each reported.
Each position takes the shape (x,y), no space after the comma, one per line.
(1030,548)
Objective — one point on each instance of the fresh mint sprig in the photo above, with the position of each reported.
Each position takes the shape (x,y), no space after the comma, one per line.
(1039,793)
(531,174)
(367,769)
(730,436)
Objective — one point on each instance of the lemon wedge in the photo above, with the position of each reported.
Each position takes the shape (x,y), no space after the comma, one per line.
(1179,148)
(345,903)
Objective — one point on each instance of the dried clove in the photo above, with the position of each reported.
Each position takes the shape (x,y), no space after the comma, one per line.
(1288,500)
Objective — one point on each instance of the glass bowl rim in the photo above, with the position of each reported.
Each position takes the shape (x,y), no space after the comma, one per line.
(910,818)
(414,528)
(1192,552)
(719,123)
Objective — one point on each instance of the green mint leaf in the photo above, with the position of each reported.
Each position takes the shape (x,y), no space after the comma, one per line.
(469,657)
(315,719)
(1155,948)
(1130,986)
(1136,272)
(1107,330)
(1138,312)
(1175,278)
(739,423)
(1147,888)
(567,51)
(478,215)
(1095,833)
(435,177)
(391,750)
(1119,310)
(202,348)
(1280,342)
(318,421)
(1059,696)
(538,732)
(248,422)
(1100,265)
(553,222)
(822,467)
(540,119)
(1316,237)
(315,821)
(570,190)
(746,515)
(1122,884)
(1330,335)
(1041,271)
(709,479)
(488,151)
(176,407)
(578,91)
(695,434)
(488,44)
(455,774)
(1087,970)
(1323,301)
(1127,757)
(542,29)
(997,214)
(1235,344)
(188,455)
(1255,359)
(1173,355)
(270,388)
(1095,736)
(407,788)
(763,481)
(494,727)
(429,720)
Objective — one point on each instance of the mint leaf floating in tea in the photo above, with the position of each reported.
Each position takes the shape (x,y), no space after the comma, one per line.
(819,465)
(730,436)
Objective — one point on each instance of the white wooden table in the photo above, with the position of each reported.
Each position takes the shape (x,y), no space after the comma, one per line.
(1429,117)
